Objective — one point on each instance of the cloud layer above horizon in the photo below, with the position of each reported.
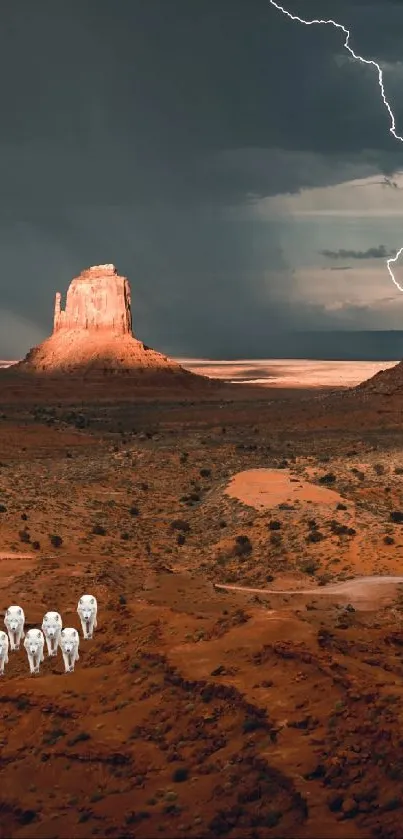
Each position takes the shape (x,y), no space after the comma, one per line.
(236,166)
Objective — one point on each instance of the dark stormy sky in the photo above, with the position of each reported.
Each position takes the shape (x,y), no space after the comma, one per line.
(236,166)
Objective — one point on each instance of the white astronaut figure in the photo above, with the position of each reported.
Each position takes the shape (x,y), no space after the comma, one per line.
(87,611)
(69,644)
(14,621)
(4,643)
(51,627)
(34,644)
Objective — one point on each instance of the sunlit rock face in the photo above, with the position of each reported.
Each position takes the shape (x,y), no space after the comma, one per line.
(97,300)
(93,334)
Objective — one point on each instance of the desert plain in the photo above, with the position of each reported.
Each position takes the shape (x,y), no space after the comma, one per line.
(246,675)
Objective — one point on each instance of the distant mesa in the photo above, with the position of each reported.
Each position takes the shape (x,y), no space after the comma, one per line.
(93,334)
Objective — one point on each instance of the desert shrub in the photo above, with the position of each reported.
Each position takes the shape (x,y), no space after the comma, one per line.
(56,541)
(125,536)
(3,508)
(253,724)
(243,546)
(85,816)
(51,737)
(180,524)
(99,530)
(134,511)
(338,529)
(27,816)
(24,517)
(309,566)
(80,421)
(398,470)
(79,738)
(272,818)
(341,506)
(389,540)
(329,478)
(379,468)
(274,525)
(222,524)
(24,536)
(36,545)
(315,536)
(335,803)
(181,539)
(181,774)
(207,694)
(205,473)
(135,818)
(396,516)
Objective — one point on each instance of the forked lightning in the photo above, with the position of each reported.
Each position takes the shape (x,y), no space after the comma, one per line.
(392,128)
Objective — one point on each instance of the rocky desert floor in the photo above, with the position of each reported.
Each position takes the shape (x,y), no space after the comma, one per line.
(245,678)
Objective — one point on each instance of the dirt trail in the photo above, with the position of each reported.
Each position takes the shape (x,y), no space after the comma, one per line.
(360,587)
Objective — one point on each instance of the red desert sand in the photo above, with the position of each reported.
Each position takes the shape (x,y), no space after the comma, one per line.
(195,710)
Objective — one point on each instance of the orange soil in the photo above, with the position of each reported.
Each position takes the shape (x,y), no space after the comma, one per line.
(282,711)
(270,487)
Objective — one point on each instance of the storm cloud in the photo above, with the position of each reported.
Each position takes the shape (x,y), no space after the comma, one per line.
(371,253)
(176,140)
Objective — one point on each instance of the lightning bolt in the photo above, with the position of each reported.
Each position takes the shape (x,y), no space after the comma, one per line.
(346,45)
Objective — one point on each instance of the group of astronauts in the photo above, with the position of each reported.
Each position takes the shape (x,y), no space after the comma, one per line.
(52,632)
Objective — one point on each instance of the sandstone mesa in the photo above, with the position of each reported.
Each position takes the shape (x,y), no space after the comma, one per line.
(93,333)
(98,300)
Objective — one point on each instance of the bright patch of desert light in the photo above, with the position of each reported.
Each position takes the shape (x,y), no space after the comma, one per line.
(266,488)
(290,373)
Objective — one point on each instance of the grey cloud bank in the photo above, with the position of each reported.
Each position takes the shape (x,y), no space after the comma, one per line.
(147,134)
(379,252)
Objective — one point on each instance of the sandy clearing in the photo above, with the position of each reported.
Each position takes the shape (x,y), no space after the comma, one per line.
(265,488)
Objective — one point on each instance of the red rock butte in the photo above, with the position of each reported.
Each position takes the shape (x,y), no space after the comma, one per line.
(93,334)
(99,300)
